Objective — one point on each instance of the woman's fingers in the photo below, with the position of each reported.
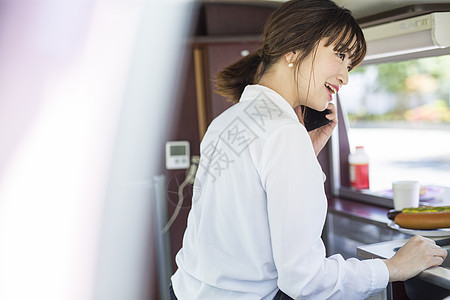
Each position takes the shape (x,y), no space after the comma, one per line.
(416,255)
(440,255)
(332,115)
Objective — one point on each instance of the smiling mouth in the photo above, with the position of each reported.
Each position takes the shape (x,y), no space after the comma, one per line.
(331,88)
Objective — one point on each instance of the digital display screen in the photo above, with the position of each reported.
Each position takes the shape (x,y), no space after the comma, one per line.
(178,150)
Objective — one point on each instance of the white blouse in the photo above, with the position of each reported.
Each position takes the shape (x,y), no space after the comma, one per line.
(258,211)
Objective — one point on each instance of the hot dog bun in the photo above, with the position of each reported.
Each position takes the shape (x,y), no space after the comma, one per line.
(425,217)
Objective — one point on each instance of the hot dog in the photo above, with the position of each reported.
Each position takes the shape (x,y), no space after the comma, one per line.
(424,217)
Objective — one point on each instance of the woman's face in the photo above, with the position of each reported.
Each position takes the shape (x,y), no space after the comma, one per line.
(324,74)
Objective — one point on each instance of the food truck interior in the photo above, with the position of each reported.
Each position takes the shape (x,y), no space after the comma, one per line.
(396,106)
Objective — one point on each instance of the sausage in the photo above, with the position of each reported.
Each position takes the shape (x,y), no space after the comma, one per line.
(424,217)
(432,220)
(393,213)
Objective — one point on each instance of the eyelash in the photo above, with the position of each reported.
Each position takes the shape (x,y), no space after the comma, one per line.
(342,57)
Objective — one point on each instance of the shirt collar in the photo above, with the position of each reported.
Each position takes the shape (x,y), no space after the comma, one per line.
(252,92)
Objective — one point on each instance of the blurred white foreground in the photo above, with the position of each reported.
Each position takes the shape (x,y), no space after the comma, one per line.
(85,97)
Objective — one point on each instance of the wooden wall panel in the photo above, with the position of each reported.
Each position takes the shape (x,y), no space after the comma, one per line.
(232,19)
(220,56)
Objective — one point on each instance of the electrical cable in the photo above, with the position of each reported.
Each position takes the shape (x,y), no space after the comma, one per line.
(190,176)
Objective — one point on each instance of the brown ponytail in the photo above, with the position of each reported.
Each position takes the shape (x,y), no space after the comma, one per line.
(232,80)
(297,25)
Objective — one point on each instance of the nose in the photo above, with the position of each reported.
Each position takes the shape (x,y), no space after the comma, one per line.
(343,75)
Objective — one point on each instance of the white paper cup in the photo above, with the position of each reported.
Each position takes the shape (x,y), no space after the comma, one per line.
(406,194)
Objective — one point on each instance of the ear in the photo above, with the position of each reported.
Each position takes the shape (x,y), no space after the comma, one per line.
(290,56)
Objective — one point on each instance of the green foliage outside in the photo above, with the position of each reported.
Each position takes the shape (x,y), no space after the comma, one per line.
(413,79)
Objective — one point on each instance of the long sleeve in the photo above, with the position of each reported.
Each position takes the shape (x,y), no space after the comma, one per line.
(296,204)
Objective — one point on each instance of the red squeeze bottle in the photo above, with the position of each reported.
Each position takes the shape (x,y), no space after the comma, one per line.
(359,169)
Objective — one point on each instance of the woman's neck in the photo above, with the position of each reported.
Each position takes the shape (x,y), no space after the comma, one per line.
(279,79)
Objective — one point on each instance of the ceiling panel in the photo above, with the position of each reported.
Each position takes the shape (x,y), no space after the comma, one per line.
(360,8)
(364,8)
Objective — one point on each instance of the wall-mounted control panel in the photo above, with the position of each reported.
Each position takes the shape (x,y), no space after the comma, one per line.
(177,155)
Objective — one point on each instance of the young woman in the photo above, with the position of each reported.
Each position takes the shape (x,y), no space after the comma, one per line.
(259,206)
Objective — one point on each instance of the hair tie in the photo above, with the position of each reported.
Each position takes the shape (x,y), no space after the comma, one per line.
(262,56)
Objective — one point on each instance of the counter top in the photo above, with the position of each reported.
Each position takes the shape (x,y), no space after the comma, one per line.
(358,210)
(439,276)
(377,215)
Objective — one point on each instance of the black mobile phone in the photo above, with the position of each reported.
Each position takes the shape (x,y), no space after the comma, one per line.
(314,119)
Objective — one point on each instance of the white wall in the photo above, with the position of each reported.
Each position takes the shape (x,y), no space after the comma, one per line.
(85,95)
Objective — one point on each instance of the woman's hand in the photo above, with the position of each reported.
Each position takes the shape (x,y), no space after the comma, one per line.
(418,254)
(320,136)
